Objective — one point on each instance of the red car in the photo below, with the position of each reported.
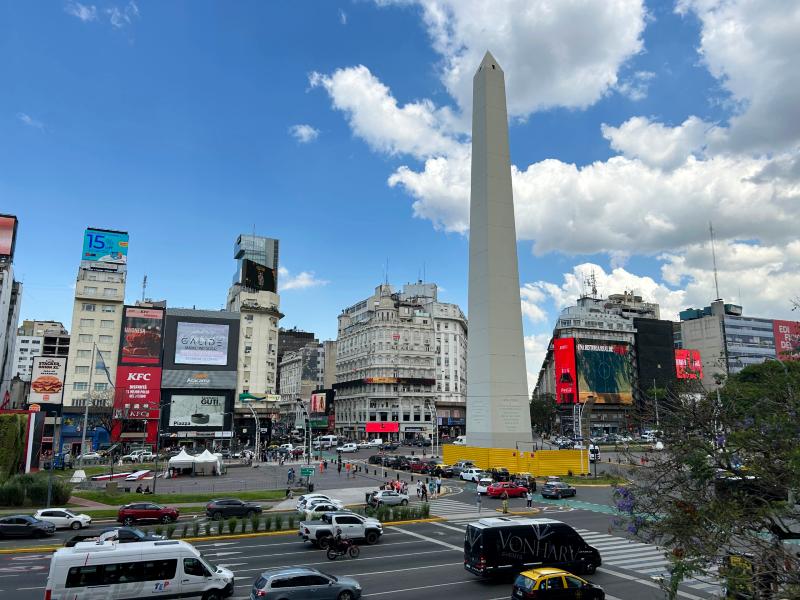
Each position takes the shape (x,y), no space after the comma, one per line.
(146,511)
(509,487)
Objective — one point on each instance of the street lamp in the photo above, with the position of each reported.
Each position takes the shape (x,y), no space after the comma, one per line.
(306,430)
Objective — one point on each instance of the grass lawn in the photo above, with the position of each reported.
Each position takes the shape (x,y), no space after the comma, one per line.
(123,498)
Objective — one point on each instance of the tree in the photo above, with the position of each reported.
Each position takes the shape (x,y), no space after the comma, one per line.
(543,411)
(725,484)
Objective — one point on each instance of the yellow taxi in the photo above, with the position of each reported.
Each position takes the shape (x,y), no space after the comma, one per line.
(545,583)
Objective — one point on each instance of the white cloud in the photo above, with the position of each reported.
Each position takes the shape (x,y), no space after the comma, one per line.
(301,281)
(342,17)
(535,351)
(416,128)
(655,143)
(531,296)
(304,133)
(30,121)
(635,87)
(84,12)
(120,17)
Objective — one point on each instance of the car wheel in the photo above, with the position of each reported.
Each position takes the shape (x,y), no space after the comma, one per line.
(166,519)
(345,595)
(128,521)
(403,502)
(372,538)
(212,595)
(75,525)
(217,516)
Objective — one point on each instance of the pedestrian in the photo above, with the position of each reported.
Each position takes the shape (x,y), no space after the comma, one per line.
(419,490)
(339,469)
(478,501)
(438,485)
(529,498)
(347,469)
(424,494)
(432,489)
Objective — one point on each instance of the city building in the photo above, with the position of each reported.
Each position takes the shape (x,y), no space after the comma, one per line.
(26,347)
(385,368)
(301,374)
(328,364)
(10,300)
(728,341)
(291,340)
(254,297)
(38,338)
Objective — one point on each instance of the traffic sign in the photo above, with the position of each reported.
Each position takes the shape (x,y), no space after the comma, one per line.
(306,471)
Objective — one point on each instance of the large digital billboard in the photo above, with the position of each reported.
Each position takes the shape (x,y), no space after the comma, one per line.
(318,402)
(787,339)
(688,364)
(566,379)
(197,411)
(47,380)
(138,392)
(8,237)
(140,342)
(201,344)
(605,372)
(105,245)
(257,277)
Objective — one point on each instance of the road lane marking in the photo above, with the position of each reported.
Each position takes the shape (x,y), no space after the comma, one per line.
(645,582)
(423,587)
(458,529)
(460,563)
(327,562)
(430,539)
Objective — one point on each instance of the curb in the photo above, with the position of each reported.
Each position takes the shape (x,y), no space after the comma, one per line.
(522,513)
(30,550)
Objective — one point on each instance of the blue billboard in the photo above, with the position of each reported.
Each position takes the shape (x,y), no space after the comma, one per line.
(104,245)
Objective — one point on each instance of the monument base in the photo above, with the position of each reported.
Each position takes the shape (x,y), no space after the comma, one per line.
(539,463)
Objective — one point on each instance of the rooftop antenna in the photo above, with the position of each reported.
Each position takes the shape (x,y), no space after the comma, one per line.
(714,258)
(144,287)
(591,281)
(386,272)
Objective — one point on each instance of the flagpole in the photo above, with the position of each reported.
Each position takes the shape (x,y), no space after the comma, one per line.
(86,407)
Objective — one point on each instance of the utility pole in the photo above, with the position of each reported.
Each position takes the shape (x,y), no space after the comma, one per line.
(655,401)
(86,406)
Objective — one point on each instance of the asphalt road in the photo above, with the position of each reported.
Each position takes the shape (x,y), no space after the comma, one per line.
(416,561)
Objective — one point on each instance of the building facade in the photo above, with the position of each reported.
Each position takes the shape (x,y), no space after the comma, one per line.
(38,338)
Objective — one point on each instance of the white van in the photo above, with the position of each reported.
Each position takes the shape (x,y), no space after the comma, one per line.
(460,441)
(108,569)
(326,441)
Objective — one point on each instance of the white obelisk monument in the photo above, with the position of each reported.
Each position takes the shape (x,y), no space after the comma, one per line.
(498,413)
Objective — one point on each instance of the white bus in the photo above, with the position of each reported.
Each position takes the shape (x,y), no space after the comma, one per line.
(107,569)
(326,441)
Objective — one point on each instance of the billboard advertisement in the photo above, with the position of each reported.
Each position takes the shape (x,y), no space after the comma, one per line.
(105,245)
(384,427)
(8,237)
(138,392)
(202,380)
(566,379)
(47,380)
(258,277)
(197,411)
(201,344)
(604,372)
(141,336)
(787,339)
(688,364)
(318,402)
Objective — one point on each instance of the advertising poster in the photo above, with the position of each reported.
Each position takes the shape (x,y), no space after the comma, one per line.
(138,392)
(141,336)
(201,344)
(688,364)
(604,372)
(318,402)
(564,354)
(257,277)
(197,411)
(8,237)
(104,245)
(47,380)
(787,339)
(387,427)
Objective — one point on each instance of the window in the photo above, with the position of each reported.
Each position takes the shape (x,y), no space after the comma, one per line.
(192,566)
(109,292)
(100,387)
(106,324)
(127,572)
(90,289)
(84,337)
(24,341)
(89,307)
(83,354)
(87,322)
(105,339)
(552,583)
(107,308)
(82,370)
(80,386)
(573,582)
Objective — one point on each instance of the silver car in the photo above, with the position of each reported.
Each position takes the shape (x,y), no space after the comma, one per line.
(388,498)
(302,583)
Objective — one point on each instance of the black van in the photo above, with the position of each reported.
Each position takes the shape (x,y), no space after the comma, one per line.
(500,544)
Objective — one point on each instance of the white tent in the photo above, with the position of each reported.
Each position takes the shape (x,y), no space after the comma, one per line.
(182,460)
(206,463)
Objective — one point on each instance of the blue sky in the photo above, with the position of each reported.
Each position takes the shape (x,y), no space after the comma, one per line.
(342,128)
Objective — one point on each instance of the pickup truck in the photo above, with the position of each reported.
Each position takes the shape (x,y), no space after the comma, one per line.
(139,456)
(353,526)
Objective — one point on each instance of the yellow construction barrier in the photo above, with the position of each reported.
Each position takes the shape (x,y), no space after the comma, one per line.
(540,463)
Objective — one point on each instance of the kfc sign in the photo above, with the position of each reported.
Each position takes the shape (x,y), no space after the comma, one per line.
(138,392)
(139,376)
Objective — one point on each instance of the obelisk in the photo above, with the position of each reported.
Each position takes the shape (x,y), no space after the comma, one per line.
(498,413)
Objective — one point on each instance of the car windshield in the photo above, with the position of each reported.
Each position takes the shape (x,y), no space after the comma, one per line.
(211,566)
(329,576)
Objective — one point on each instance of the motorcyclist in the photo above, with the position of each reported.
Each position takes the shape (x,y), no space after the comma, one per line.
(338,542)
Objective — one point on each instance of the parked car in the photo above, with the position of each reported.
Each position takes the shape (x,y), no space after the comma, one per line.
(231,507)
(511,489)
(25,526)
(462,465)
(315,501)
(146,511)
(347,448)
(500,474)
(89,456)
(483,485)
(557,489)
(375,459)
(139,456)
(422,466)
(473,474)
(306,498)
(461,440)
(388,498)
(364,445)
(124,535)
(62,517)
(304,582)
(389,447)
(547,583)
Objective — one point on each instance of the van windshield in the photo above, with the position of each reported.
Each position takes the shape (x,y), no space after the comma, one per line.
(210,565)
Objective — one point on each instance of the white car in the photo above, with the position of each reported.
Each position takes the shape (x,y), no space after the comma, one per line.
(315,512)
(472,474)
(62,517)
(306,498)
(483,485)
(364,445)
(139,456)
(89,456)
(315,501)
(348,448)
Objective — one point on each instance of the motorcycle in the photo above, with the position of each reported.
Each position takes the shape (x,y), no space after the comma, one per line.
(345,547)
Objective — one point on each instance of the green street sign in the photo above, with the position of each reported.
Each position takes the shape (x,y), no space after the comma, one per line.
(306,471)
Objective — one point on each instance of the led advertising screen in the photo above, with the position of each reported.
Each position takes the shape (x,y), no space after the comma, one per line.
(197,411)
(201,344)
(47,380)
(383,427)
(105,245)
(604,372)
(8,237)
(787,339)
(141,336)
(138,392)
(566,379)
(318,402)
(688,364)
(257,277)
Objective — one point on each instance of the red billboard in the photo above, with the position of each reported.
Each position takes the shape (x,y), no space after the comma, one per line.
(688,364)
(787,339)
(383,427)
(138,392)
(566,387)
(8,237)
(140,342)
